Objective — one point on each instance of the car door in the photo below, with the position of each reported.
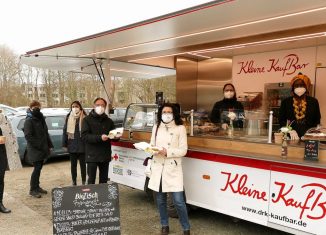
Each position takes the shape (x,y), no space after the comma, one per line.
(55,125)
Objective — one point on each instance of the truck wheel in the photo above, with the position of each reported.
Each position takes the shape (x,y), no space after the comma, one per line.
(172,212)
(149,192)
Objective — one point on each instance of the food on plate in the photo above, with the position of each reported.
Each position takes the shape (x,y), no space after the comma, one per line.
(147,147)
(116,133)
(318,133)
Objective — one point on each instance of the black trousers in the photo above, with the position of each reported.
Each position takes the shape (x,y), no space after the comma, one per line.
(73,160)
(103,172)
(2,183)
(35,178)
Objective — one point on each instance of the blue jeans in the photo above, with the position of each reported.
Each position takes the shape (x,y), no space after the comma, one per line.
(180,205)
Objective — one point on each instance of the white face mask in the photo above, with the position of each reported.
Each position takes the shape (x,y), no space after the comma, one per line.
(75,110)
(99,110)
(299,91)
(167,117)
(228,94)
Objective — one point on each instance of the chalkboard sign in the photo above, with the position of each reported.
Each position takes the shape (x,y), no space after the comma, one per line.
(88,209)
(311,149)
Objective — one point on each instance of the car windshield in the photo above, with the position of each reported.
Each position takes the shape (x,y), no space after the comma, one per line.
(53,122)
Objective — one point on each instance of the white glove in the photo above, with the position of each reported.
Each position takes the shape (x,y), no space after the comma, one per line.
(293,135)
(225,126)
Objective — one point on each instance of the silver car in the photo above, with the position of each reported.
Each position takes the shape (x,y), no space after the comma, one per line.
(55,121)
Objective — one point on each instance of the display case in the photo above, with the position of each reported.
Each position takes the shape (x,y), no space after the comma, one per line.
(274,94)
(140,117)
(254,124)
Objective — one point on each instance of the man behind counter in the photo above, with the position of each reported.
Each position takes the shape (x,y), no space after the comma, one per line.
(300,109)
(222,108)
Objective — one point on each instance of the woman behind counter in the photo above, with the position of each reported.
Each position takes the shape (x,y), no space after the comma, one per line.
(300,109)
(221,108)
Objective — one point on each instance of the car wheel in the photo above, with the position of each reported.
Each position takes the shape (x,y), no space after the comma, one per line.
(26,160)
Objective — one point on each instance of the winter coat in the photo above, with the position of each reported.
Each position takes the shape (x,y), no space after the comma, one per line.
(93,127)
(312,118)
(37,137)
(11,145)
(174,139)
(221,109)
(75,145)
(3,156)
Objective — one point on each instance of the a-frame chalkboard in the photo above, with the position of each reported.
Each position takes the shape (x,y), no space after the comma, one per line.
(88,209)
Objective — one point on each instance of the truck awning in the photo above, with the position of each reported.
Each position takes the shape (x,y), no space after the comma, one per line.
(218,25)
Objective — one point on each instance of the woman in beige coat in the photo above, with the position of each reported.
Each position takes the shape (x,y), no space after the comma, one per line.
(171,137)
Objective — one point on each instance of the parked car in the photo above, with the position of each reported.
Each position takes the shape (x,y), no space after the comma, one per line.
(55,122)
(8,111)
(116,114)
(22,108)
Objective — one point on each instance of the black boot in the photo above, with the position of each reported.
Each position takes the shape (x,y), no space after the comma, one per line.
(186,232)
(165,230)
(3,209)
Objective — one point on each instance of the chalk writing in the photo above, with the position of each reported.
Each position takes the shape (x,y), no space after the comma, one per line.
(91,209)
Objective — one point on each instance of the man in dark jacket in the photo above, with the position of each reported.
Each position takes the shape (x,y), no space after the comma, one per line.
(38,145)
(3,167)
(95,130)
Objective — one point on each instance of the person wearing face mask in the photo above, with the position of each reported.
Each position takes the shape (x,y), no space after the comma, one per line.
(300,109)
(222,108)
(3,168)
(72,141)
(170,136)
(95,130)
(39,145)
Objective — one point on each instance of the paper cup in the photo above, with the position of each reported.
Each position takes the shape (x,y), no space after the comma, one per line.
(278,137)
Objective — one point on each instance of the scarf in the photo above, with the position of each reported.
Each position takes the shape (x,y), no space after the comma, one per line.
(71,123)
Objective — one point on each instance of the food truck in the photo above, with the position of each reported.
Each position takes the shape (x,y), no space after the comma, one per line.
(258,46)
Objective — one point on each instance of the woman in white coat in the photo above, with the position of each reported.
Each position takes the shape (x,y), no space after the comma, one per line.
(170,135)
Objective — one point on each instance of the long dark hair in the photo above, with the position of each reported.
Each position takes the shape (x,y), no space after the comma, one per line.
(79,104)
(176,114)
(235,93)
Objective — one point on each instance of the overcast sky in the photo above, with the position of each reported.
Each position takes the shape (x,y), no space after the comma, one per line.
(31,24)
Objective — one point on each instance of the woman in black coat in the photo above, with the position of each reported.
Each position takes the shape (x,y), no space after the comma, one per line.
(95,130)
(300,109)
(38,145)
(229,104)
(3,167)
(71,139)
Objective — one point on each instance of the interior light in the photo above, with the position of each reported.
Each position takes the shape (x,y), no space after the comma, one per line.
(130,71)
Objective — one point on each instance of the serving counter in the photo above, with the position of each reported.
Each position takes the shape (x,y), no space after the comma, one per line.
(242,177)
(249,147)
(236,173)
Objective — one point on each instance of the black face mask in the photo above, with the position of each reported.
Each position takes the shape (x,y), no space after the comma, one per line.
(36,110)
(37,113)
